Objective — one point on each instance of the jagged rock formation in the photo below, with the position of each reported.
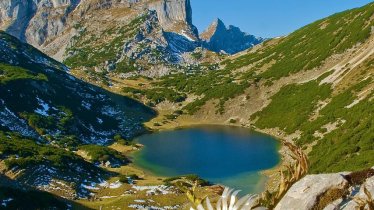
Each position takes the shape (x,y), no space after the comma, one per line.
(176,16)
(230,40)
(166,46)
(35,21)
(14,16)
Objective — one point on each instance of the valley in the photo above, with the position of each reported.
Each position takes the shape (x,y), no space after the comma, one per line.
(81,86)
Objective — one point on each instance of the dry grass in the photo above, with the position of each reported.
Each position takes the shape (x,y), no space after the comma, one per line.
(294,173)
(365,202)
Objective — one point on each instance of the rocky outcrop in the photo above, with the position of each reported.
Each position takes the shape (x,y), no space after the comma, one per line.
(150,38)
(307,193)
(230,40)
(176,16)
(35,21)
(15,16)
(347,191)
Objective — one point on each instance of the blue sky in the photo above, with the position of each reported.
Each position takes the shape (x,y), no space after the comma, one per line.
(267,18)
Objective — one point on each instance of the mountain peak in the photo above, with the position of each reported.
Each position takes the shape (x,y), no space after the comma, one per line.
(219,38)
(212,29)
(175,16)
(218,21)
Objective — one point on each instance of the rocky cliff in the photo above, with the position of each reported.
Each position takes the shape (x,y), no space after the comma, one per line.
(35,21)
(176,16)
(230,40)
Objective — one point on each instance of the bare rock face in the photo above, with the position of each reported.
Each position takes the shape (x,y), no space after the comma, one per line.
(309,192)
(15,16)
(230,40)
(176,16)
(35,21)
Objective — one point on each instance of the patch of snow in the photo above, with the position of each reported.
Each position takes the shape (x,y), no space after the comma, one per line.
(153,190)
(12,122)
(86,105)
(139,201)
(89,187)
(115,185)
(44,107)
(104,184)
(6,201)
(110,111)
(187,36)
(106,197)
(355,102)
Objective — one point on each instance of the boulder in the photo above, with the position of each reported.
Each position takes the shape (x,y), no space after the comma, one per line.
(314,191)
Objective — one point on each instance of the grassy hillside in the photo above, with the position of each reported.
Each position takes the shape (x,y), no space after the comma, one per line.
(310,46)
(334,118)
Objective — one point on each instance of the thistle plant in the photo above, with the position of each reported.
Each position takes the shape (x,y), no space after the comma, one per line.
(227,201)
(293,173)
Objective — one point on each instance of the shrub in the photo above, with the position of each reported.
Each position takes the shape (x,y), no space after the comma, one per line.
(233,121)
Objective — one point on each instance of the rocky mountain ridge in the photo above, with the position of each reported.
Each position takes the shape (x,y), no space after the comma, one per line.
(54,26)
(176,16)
(229,40)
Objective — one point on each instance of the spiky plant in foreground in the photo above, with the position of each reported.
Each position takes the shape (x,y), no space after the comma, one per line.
(227,201)
(294,173)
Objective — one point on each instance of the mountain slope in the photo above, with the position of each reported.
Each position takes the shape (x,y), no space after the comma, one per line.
(40,99)
(46,115)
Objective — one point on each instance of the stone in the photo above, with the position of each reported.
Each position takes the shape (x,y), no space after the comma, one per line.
(334,205)
(306,193)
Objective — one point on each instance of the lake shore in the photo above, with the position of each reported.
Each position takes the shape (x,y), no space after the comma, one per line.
(272,175)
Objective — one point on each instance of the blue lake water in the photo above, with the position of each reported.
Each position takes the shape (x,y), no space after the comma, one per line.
(221,154)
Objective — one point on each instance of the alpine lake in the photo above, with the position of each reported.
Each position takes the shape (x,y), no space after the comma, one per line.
(226,155)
